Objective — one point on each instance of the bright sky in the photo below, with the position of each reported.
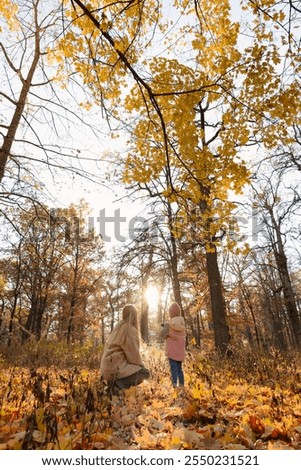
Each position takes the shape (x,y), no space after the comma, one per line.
(112,213)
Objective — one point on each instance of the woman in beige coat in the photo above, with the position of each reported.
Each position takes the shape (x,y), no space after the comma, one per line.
(121,362)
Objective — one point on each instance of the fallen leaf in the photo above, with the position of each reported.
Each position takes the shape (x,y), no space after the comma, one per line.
(256,425)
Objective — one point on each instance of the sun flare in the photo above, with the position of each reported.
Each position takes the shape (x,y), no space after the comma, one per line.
(152,297)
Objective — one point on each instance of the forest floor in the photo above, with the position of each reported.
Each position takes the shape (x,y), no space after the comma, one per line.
(239,403)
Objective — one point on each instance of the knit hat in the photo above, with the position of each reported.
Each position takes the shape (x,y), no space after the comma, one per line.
(174,310)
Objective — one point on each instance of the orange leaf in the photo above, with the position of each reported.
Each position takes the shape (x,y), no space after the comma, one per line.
(256,425)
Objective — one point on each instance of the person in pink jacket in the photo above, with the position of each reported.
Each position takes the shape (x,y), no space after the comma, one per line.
(174,333)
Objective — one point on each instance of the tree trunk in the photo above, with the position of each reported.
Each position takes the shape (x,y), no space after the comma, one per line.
(221,332)
(174,260)
(146,272)
(16,291)
(9,138)
(73,300)
(144,313)
(34,320)
(245,296)
(288,293)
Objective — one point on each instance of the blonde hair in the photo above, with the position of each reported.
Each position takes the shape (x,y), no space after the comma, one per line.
(130,315)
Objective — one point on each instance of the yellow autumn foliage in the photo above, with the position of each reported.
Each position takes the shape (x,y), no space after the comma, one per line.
(8,11)
(191,93)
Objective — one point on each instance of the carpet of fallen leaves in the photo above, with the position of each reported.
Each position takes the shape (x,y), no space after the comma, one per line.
(226,404)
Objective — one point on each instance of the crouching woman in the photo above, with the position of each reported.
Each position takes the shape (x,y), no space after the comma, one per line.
(121,363)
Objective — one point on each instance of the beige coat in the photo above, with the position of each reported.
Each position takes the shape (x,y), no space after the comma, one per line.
(121,356)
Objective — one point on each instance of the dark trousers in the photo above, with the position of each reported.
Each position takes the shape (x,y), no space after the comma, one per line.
(134,379)
(177,375)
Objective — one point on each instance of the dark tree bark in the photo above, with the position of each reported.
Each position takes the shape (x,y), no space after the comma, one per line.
(220,327)
(9,138)
(146,273)
(288,292)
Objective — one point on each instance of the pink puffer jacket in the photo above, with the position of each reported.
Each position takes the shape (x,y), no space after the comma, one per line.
(175,340)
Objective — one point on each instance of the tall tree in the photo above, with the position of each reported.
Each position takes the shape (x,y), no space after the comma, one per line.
(83,274)
(38,115)
(192,104)
(34,263)
(278,214)
(54,271)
